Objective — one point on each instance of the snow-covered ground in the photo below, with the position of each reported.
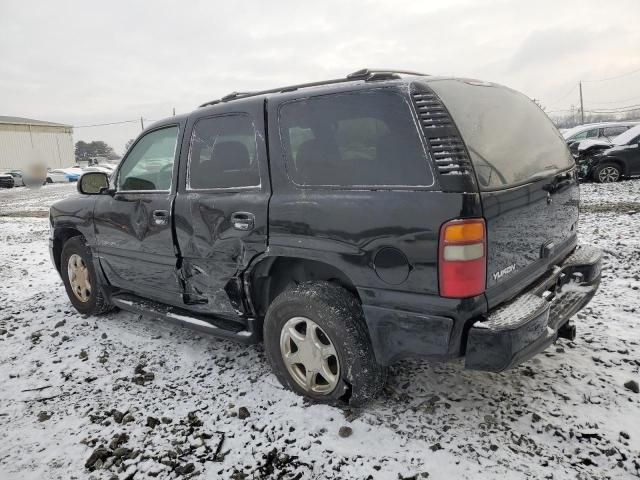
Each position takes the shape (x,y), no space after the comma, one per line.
(166,402)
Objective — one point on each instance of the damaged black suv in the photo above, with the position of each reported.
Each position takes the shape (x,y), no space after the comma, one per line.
(347,223)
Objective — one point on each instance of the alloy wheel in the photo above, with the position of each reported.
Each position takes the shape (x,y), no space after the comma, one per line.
(309,355)
(79,278)
(608,175)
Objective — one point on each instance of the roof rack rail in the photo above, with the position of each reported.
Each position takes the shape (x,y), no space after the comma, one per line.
(371,73)
(208,104)
(233,95)
(364,74)
(290,88)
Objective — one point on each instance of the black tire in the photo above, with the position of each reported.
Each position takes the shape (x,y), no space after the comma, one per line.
(48,180)
(97,303)
(605,173)
(338,313)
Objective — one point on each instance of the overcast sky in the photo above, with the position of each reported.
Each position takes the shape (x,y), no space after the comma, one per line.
(89,62)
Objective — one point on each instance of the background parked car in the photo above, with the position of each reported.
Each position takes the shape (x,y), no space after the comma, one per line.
(602,131)
(98,168)
(63,175)
(17,178)
(609,162)
(6,180)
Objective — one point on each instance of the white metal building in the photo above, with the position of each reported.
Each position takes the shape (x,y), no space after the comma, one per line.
(24,141)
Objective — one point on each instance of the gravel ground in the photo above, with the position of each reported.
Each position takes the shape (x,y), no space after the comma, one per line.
(125,397)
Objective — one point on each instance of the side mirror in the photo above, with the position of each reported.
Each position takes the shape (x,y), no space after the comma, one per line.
(93,183)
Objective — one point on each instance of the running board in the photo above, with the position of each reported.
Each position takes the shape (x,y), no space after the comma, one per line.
(247,332)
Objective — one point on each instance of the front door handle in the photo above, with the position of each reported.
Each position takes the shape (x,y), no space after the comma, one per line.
(243,221)
(160,217)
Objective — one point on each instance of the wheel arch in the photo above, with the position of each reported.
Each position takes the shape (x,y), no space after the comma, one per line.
(616,161)
(60,237)
(273,274)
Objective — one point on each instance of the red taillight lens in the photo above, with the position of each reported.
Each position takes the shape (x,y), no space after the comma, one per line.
(462,263)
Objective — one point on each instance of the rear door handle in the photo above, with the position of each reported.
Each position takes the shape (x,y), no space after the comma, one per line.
(243,221)
(160,217)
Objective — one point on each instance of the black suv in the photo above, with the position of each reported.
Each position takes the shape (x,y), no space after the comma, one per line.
(348,223)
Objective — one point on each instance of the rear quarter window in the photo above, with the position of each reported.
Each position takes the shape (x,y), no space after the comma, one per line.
(354,139)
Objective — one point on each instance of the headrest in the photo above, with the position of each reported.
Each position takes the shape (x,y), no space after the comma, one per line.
(231,155)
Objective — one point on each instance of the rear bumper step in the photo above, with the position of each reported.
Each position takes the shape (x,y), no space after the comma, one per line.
(526,325)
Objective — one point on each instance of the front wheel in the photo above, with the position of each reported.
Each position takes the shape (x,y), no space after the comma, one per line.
(607,173)
(80,279)
(318,346)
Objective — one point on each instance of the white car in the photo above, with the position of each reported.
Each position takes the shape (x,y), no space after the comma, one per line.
(63,175)
(600,130)
(98,168)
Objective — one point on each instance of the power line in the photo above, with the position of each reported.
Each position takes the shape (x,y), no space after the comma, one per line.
(116,123)
(582,110)
(613,78)
(564,96)
(106,124)
(616,101)
(559,111)
(628,108)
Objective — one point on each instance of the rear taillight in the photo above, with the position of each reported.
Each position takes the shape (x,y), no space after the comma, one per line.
(462,258)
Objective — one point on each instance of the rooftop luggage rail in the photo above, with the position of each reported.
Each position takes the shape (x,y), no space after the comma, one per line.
(366,74)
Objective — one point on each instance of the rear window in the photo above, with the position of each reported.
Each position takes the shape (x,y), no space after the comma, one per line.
(366,138)
(510,140)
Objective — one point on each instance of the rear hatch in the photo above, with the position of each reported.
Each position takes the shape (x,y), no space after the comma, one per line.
(526,180)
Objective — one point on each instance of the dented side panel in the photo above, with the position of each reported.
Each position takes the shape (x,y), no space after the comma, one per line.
(214,251)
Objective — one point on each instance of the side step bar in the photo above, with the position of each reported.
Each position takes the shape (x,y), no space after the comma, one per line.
(247,332)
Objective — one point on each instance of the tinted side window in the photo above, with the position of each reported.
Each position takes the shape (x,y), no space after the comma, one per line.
(149,164)
(223,153)
(353,139)
(592,133)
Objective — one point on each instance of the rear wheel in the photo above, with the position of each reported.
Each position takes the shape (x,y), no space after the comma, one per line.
(80,279)
(607,173)
(318,346)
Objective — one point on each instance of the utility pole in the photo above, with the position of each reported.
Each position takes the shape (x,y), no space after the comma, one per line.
(142,123)
(581,105)
(174,111)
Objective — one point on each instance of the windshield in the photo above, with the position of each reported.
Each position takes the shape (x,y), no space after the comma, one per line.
(625,137)
(510,139)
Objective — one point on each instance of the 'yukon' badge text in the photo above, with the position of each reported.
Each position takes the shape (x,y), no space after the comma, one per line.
(501,273)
